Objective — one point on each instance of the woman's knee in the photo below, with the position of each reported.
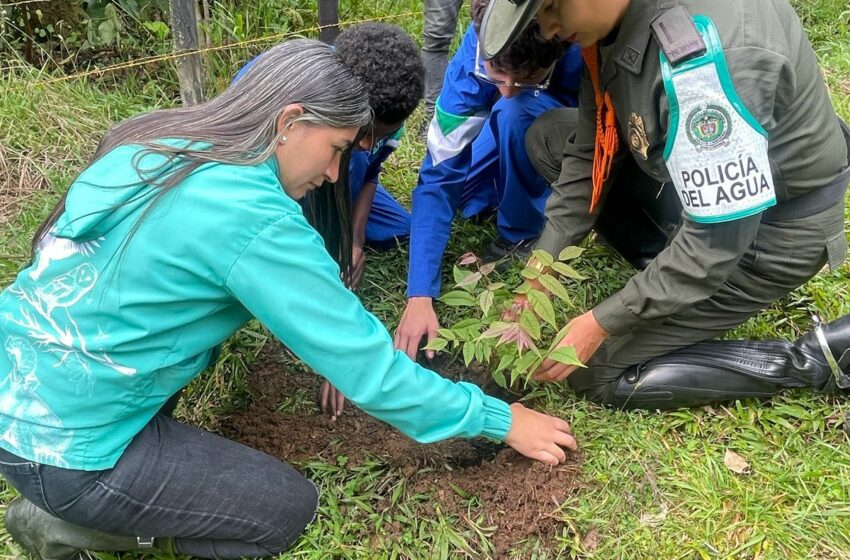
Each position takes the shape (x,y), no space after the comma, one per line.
(298,509)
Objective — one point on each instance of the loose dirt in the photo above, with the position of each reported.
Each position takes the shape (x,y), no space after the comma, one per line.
(518,496)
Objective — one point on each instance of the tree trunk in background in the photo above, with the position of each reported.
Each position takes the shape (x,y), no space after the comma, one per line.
(328,16)
(184,26)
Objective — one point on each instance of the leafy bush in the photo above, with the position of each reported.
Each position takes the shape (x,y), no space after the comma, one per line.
(512,330)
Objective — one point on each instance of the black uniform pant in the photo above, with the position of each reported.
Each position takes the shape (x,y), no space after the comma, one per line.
(783,256)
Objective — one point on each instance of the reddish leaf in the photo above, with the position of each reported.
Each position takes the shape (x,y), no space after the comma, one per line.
(498,328)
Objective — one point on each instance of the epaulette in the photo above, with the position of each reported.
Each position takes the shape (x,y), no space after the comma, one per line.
(677,35)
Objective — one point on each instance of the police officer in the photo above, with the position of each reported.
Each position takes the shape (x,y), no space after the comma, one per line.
(723,102)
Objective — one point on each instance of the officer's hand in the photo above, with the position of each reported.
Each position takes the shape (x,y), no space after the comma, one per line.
(418,320)
(331,400)
(586,335)
(539,436)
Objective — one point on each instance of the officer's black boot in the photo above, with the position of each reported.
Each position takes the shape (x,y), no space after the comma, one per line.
(49,538)
(725,370)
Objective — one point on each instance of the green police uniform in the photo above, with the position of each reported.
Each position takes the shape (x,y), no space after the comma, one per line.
(719,268)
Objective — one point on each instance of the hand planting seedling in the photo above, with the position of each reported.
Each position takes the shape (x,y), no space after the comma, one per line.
(512,330)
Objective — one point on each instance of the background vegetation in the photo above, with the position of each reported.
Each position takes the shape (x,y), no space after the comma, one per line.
(655,485)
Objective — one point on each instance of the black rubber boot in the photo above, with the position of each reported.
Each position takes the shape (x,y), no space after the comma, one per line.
(725,370)
(46,537)
(501,248)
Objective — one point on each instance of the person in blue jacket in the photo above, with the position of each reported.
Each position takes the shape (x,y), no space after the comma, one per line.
(476,160)
(183,227)
(388,62)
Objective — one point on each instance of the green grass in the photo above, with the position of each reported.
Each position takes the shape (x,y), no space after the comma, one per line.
(655,485)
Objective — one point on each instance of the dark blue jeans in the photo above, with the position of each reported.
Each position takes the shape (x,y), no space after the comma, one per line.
(215,497)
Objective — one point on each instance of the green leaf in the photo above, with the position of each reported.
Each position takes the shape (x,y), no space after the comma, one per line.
(468,352)
(459,274)
(466,323)
(525,362)
(530,323)
(495,286)
(566,355)
(464,335)
(500,380)
(560,336)
(458,298)
(543,257)
(469,281)
(485,300)
(542,306)
(448,334)
(569,253)
(482,352)
(467,329)
(437,344)
(554,286)
(107,31)
(158,28)
(504,362)
(530,273)
(567,270)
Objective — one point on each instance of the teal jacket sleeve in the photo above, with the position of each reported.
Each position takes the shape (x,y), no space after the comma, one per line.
(285,278)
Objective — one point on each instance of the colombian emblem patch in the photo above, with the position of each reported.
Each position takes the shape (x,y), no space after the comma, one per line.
(709,126)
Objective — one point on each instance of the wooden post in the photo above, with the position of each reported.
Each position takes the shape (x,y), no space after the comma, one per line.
(184,26)
(328,16)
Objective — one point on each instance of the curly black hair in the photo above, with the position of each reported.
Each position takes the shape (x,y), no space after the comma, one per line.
(388,62)
(528,54)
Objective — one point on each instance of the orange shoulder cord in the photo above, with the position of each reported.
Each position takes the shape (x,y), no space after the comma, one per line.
(607,142)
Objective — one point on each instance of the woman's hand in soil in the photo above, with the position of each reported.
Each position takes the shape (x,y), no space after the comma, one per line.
(586,335)
(539,436)
(331,400)
(418,320)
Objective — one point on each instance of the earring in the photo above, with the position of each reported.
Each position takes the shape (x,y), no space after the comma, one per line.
(282,139)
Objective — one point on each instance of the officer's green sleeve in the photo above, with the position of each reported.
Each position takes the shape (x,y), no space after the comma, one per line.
(701,257)
(568,217)
(285,278)
(691,268)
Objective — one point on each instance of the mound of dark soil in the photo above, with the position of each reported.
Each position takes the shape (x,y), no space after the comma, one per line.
(519,497)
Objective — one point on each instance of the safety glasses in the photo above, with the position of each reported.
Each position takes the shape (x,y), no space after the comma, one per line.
(481,74)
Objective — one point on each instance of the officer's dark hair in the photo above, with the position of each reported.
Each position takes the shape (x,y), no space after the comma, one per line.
(387,61)
(528,54)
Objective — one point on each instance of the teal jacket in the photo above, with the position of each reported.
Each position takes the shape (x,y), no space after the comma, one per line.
(105,326)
